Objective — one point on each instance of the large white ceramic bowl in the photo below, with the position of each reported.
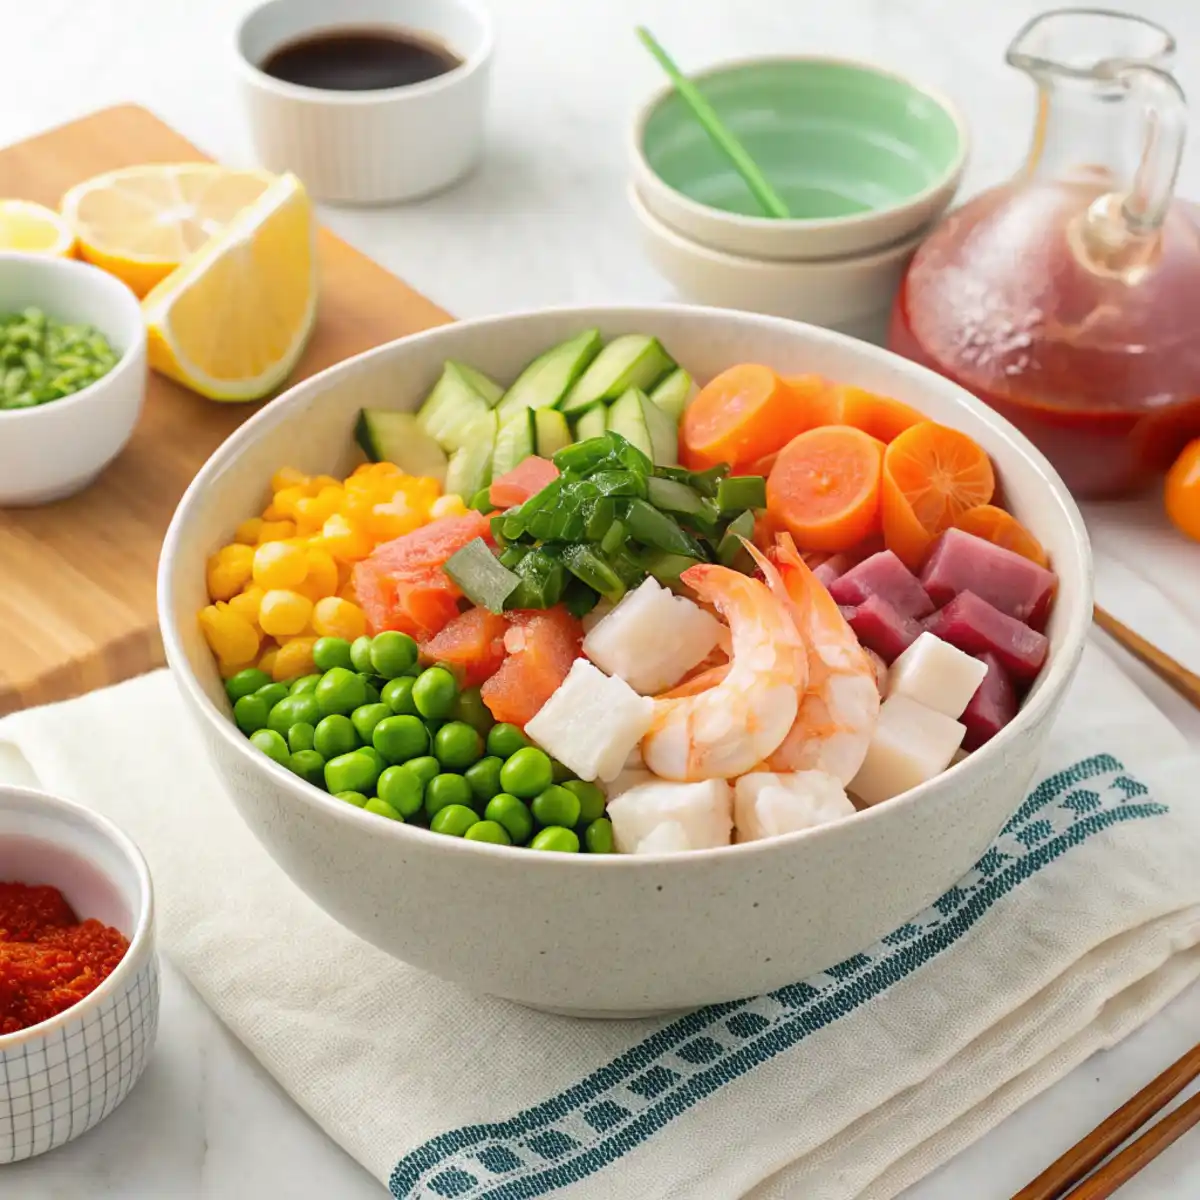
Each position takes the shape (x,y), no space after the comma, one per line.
(54,450)
(64,1075)
(611,935)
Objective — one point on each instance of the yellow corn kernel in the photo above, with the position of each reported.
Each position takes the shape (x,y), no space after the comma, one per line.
(426,487)
(447,506)
(230,637)
(321,482)
(266,660)
(228,571)
(247,532)
(392,518)
(284,612)
(246,602)
(322,577)
(335,617)
(347,592)
(287,499)
(280,565)
(313,511)
(293,660)
(287,477)
(275,531)
(344,539)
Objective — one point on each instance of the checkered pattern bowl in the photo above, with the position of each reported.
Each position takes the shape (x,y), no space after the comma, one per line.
(61,1077)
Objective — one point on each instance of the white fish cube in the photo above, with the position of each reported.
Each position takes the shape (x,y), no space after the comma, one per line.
(643,817)
(911,744)
(937,675)
(766,805)
(652,639)
(591,722)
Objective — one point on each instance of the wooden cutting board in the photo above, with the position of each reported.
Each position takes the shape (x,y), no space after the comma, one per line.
(77,578)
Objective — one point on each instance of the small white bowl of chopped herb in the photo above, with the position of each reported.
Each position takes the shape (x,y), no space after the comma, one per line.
(72,375)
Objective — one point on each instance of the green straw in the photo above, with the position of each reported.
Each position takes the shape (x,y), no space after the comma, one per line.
(768,198)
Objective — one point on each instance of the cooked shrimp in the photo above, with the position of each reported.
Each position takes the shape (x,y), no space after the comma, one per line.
(728,728)
(839,705)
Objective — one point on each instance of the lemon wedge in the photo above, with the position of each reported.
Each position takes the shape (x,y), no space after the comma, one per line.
(33,229)
(233,319)
(140,223)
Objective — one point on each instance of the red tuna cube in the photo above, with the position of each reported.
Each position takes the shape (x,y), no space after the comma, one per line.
(879,627)
(961,562)
(977,627)
(992,707)
(883,574)
(828,569)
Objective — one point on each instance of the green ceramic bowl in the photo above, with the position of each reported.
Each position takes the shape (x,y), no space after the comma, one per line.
(862,157)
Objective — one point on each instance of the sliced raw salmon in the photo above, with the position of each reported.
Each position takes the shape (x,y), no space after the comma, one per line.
(473,642)
(526,479)
(541,648)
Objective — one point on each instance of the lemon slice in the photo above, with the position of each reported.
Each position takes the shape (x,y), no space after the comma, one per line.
(231,322)
(140,223)
(32,229)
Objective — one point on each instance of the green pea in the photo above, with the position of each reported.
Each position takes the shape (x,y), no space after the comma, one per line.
(469,707)
(309,765)
(400,738)
(360,653)
(556,806)
(271,744)
(487,831)
(560,772)
(397,695)
(442,790)
(306,683)
(301,736)
(598,836)
(512,814)
(355,798)
(591,799)
(433,692)
(380,762)
(454,819)
(250,713)
(392,653)
(367,717)
(340,691)
(425,767)
(372,690)
(381,808)
(351,772)
(273,693)
(330,652)
(402,788)
(245,683)
(457,745)
(555,837)
(292,710)
(505,740)
(335,735)
(484,779)
(527,773)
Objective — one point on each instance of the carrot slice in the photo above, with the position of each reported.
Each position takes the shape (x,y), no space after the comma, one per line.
(824,487)
(880,416)
(1002,529)
(931,475)
(743,414)
(816,401)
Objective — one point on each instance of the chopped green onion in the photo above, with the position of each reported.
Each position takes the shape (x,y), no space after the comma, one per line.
(483,578)
(740,492)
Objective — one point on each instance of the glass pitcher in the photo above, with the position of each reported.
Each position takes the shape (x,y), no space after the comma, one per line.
(1069,298)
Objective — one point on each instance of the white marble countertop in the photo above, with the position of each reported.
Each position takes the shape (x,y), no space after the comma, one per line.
(544,221)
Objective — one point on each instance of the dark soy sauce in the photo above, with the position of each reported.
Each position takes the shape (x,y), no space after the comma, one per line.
(360,60)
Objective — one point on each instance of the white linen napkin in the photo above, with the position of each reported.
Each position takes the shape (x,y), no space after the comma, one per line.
(1080,922)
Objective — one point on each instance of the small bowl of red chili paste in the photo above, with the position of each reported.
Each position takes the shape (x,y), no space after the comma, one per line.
(78,974)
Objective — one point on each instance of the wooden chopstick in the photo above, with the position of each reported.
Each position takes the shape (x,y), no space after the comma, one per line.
(1177,676)
(1057,1179)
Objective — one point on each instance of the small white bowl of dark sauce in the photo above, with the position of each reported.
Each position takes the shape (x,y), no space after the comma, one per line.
(367,101)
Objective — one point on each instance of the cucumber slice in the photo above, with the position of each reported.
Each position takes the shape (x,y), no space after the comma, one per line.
(470,467)
(485,385)
(592,423)
(553,432)
(397,437)
(545,381)
(452,408)
(515,442)
(640,421)
(674,393)
(630,361)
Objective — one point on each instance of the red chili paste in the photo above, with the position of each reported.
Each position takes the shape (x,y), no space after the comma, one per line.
(49,959)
